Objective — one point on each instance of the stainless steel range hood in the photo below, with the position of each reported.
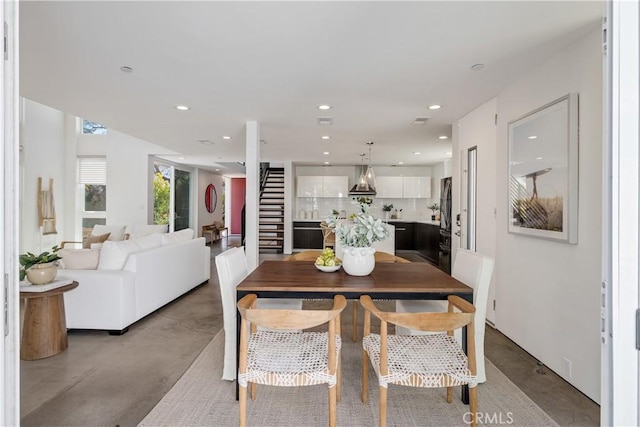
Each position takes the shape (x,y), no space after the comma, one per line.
(365,190)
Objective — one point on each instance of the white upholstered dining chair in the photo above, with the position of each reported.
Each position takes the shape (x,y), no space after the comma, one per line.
(232,268)
(474,270)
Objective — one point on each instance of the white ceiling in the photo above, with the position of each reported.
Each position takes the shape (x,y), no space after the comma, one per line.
(378,64)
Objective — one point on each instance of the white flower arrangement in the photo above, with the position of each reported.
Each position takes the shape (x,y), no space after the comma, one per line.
(361,231)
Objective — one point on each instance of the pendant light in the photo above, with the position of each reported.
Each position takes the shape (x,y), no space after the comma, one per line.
(370,176)
(362,181)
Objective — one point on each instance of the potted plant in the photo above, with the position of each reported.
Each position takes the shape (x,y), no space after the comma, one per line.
(386,209)
(435,208)
(357,236)
(39,269)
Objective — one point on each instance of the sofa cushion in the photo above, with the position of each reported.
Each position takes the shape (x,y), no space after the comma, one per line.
(117,231)
(113,255)
(91,239)
(177,236)
(147,230)
(79,259)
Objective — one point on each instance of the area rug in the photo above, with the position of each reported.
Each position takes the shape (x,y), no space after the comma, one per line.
(201,398)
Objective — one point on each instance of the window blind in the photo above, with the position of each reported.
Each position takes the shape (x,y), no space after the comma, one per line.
(92,171)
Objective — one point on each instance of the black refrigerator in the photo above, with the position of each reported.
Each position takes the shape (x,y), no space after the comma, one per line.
(445,225)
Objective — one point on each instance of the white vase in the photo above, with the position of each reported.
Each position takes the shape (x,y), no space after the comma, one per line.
(41,274)
(358,261)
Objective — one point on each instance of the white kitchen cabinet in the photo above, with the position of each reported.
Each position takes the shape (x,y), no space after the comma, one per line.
(389,187)
(309,186)
(322,186)
(416,187)
(335,186)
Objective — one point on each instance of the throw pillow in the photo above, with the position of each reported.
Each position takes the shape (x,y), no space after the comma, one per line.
(146,230)
(117,231)
(95,239)
(113,255)
(177,236)
(79,259)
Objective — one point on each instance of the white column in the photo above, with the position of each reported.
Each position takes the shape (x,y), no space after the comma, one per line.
(252,166)
(288,207)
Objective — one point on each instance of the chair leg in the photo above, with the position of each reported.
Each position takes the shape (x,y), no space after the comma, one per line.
(473,405)
(253,390)
(449,394)
(339,379)
(354,332)
(365,375)
(243,406)
(332,406)
(383,406)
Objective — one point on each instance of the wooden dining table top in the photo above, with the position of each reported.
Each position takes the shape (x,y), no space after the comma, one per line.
(397,278)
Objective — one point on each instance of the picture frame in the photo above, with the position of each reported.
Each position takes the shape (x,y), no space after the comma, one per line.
(543,172)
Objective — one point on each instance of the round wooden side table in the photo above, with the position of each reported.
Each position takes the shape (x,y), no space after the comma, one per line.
(44,330)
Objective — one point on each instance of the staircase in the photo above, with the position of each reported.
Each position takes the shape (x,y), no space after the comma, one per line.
(271,211)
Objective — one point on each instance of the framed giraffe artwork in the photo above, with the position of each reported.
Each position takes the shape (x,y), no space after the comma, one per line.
(543,172)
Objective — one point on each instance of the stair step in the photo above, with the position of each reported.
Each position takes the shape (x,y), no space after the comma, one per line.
(278,247)
(262,239)
(269,222)
(268,231)
(271,208)
(275,190)
(271,203)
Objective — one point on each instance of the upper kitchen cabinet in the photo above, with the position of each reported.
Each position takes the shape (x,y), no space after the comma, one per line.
(416,187)
(322,186)
(335,186)
(389,187)
(309,186)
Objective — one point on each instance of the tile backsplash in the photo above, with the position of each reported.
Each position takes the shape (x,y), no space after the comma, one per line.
(413,209)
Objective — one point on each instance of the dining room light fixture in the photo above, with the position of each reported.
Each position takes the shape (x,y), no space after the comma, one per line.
(370,175)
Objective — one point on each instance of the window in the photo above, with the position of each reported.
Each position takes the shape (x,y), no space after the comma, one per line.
(93,128)
(91,194)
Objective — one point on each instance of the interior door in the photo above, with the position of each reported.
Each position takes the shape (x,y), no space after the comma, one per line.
(182,199)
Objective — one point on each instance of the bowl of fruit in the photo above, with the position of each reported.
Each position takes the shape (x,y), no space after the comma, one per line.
(328,262)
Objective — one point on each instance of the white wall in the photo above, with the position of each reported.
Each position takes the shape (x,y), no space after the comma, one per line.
(204,178)
(477,129)
(548,293)
(42,142)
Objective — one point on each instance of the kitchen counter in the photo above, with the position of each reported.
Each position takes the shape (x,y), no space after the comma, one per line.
(418,221)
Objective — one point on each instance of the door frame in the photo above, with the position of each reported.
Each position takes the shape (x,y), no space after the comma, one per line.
(9,186)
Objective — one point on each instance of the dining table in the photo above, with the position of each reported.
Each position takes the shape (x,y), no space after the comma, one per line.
(387,281)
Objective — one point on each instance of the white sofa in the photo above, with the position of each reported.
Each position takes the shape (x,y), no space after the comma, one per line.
(154,270)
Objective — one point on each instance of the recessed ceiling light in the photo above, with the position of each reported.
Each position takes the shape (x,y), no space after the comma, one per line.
(326,153)
(448,153)
(477,67)
(326,163)
(180,158)
(533,137)
(416,152)
(435,107)
(324,107)
(443,137)
(326,137)
(206,141)
(126,69)
(420,121)
(226,137)
(182,107)
(401,163)
(538,158)
(217,170)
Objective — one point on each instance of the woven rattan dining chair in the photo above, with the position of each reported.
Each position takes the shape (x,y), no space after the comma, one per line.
(278,357)
(429,361)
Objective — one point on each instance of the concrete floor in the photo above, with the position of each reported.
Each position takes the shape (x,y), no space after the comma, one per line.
(103,380)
